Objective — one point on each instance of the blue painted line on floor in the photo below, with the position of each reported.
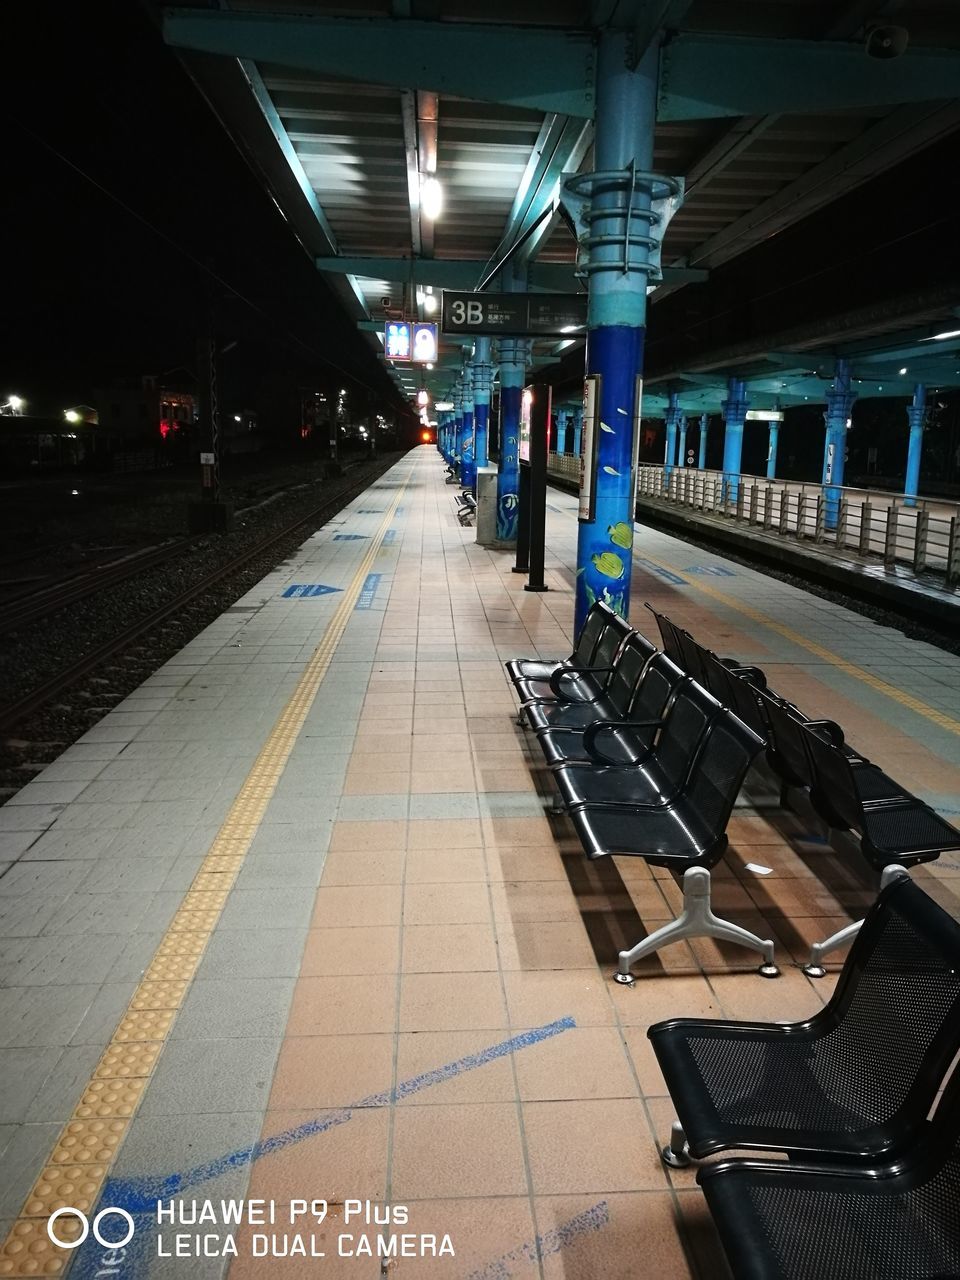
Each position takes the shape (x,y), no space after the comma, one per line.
(301,590)
(139,1195)
(389,537)
(716,570)
(368,591)
(528,1255)
(350,537)
(661,572)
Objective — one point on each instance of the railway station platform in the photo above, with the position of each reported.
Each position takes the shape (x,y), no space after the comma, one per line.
(292,923)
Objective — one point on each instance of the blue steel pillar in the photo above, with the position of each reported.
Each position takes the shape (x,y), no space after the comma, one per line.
(482,386)
(682,442)
(839,408)
(577,431)
(618,230)
(704,431)
(772,440)
(915,413)
(512,355)
(561,440)
(734,415)
(458,424)
(671,421)
(468,459)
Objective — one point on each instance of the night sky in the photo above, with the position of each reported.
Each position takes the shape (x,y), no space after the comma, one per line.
(93,290)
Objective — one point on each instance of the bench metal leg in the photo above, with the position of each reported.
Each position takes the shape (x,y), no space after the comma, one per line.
(814,967)
(676,1153)
(697,920)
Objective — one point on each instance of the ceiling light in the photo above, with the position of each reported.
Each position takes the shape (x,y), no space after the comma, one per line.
(431,198)
(949,333)
(429,303)
(903,371)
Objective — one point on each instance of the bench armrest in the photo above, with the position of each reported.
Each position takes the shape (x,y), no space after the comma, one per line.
(831,730)
(593,731)
(559,674)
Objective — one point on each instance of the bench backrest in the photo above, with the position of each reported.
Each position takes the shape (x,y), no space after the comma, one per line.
(627,678)
(669,636)
(615,631)
(727,750)
(693,656)
(833,781)
(599,616)
(897,1008)
(687,719)
(661,679)
(787,741)
(734,692)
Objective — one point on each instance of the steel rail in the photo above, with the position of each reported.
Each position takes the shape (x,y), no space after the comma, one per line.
(35,699)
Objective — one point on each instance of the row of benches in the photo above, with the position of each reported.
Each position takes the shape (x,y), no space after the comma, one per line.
(649,750)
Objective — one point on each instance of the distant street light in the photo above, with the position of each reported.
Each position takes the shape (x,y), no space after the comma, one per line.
(14,405)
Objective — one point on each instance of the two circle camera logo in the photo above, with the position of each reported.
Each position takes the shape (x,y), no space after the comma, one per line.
(68,1211)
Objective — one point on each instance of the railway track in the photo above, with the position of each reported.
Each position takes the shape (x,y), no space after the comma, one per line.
(35,699)
(28,607)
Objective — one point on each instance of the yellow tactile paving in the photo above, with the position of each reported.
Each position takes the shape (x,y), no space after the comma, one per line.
(100,1120)
(110,1097)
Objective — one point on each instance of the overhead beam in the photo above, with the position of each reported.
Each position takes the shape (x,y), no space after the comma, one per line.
(709,76)
(543,68)
(451,273)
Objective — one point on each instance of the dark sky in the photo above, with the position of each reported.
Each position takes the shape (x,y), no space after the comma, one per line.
(93,290)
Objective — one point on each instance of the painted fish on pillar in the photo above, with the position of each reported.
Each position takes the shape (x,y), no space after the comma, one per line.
(605,544)
(621,211)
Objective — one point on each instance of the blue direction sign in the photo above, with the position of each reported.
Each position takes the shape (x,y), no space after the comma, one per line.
(514,314)
(302,589)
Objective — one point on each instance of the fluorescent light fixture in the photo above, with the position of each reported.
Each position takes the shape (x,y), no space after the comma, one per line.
(764,415)
(431,197)
(948,333)
(443,406)
(903,371)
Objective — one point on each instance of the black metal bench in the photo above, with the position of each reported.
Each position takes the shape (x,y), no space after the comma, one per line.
(616,740)
(612,700)
(671,808)
(572,681)
(854,1081)
(539,669)
(781,1221)
(466,506)
(870,1191)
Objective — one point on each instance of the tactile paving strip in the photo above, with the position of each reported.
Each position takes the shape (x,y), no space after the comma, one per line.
(84,1150)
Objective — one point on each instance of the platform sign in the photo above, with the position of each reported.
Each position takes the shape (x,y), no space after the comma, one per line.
(424,343)
(514,314)
(588,454)
(396,339)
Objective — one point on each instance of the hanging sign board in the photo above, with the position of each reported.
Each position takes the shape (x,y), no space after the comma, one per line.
(424,343)
(396,340)
(514,314)
(588,451)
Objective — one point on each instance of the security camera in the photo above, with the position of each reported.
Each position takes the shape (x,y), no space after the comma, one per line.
(886,42)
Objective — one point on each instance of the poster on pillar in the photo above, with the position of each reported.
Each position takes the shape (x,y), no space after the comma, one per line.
(588,455)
